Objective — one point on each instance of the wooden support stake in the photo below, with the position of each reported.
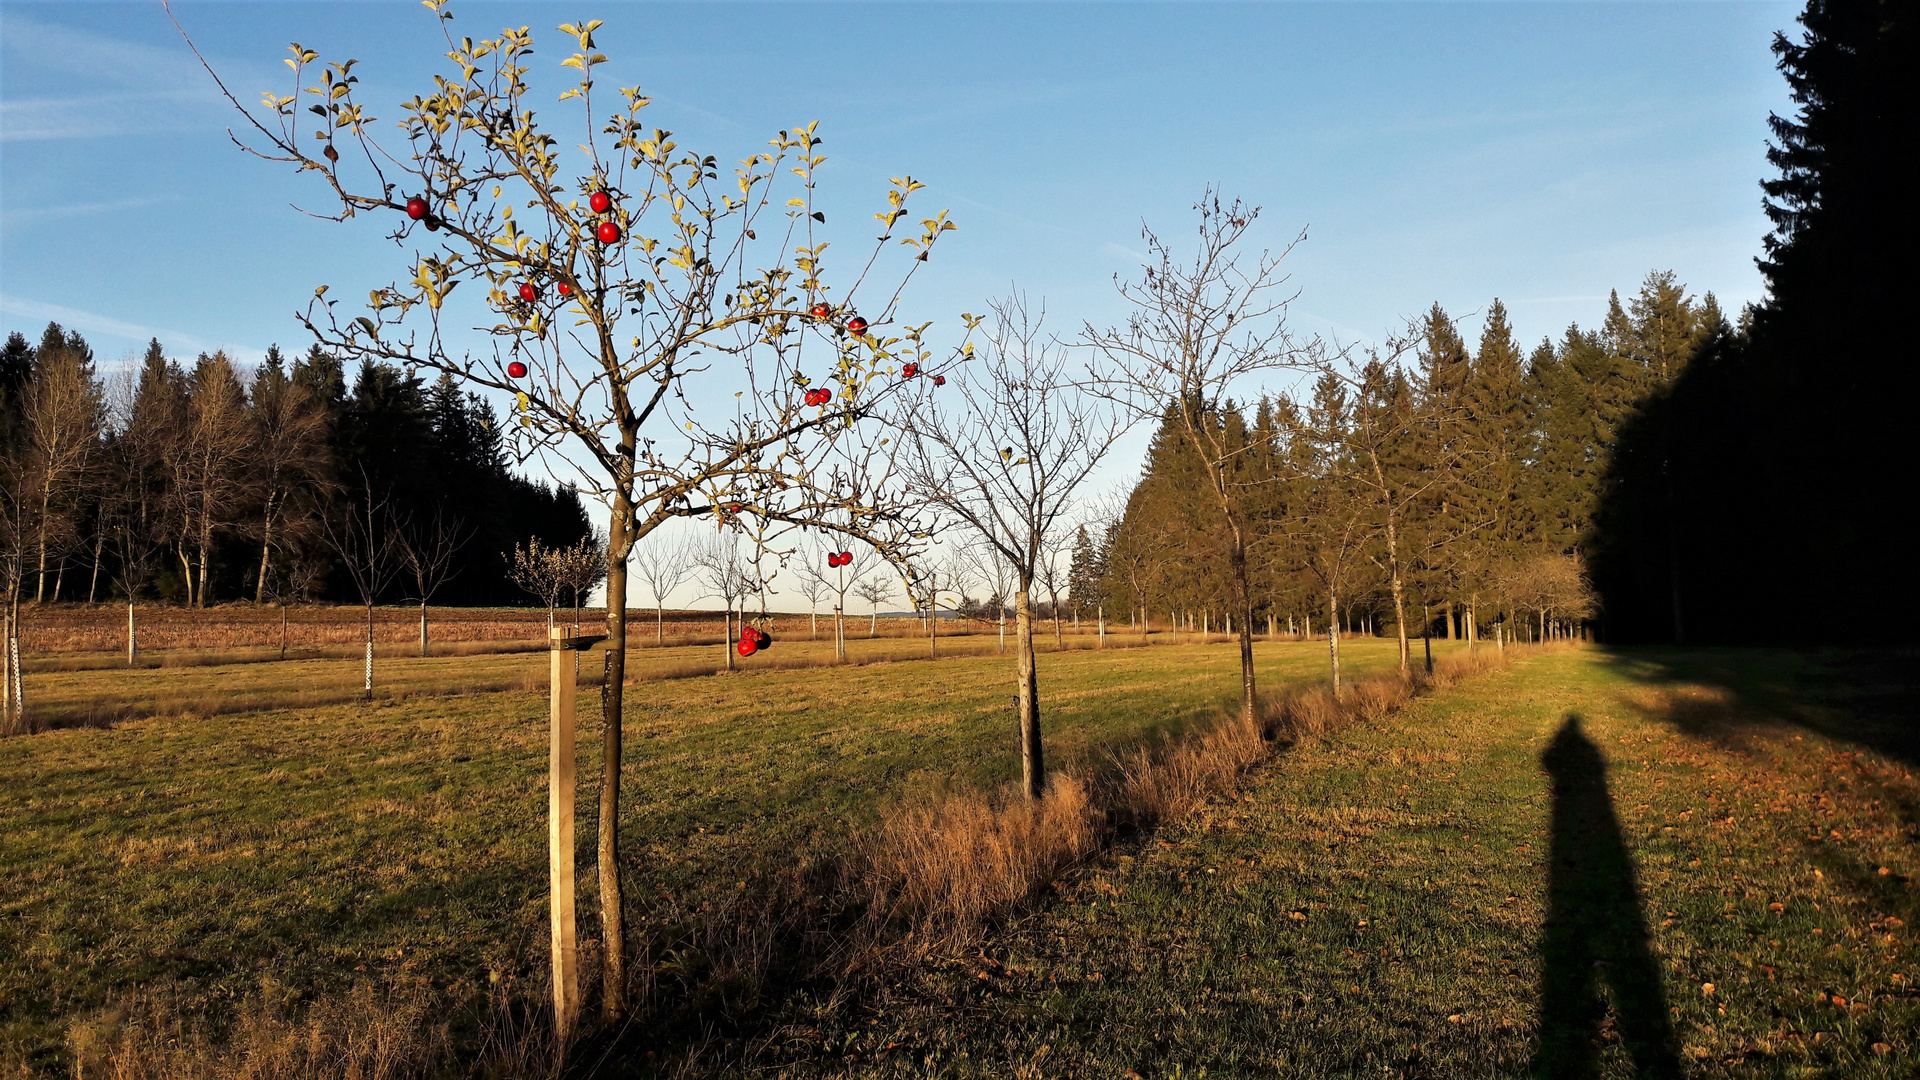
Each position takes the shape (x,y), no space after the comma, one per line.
(560,852)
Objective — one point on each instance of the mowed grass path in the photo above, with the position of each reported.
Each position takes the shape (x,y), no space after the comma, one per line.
(1586,865)
(403,841)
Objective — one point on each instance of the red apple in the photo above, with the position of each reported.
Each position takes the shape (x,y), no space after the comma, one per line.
(820,311)
(416,208)
(601,202)
(747,647)
(857,325)
(528,292)
(608,232)
(846,558)
(565,289)
(517,370)
(433,223)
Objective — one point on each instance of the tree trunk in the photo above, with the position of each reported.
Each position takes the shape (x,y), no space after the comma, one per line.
(814,614)
(933,627)
(727,633)
(369,652)
(1243,602)
(659,625)
(423,628)
(1333,641)
(613,940)
(1103,626)
(1446,625)
(133,652)
(873,621)
(206,543)
(1426,635)
(1003,628)
(93,585)
(1472,622)
(840,631)
(1032,765)
(266,551)
(283,629)
(1398,587)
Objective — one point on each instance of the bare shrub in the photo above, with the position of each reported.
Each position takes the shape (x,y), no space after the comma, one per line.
(946,865)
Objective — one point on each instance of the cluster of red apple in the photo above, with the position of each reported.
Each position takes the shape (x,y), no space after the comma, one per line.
(819,395)
(417,210)
(607,232)
(839,558)
(753,640)
(910,371)
(824,311)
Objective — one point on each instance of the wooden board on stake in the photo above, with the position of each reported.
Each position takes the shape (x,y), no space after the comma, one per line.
(562,644)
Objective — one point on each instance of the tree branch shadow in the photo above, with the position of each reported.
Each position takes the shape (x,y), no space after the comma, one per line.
(1596,932)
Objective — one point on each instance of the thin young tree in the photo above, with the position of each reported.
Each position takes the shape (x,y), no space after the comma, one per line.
(1328,510)
(815,584)
(428,549)
(1198,330)
(540,571)
(585,568)
(873,589)
(624,280)
(663,564)
(1004,457)
(729,578)
(288,455)
(364,540)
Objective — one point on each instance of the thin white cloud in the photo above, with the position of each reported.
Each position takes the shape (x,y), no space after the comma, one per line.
(16,217)
(19,312)
(125,87)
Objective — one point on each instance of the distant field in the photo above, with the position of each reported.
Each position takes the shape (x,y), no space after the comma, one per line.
(401,843)
(86,628)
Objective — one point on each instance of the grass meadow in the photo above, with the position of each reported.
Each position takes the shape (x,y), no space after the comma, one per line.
(1588,863)
(207,857)
(1651,863)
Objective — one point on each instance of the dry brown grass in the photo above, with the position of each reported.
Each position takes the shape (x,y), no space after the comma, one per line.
(947,866)
(938,872)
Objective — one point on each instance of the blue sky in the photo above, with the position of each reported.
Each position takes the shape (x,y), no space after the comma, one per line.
(1543,153)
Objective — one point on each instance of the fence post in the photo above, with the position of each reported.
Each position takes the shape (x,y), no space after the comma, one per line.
(564,647)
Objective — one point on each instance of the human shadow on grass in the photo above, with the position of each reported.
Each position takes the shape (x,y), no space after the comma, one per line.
(1595,931)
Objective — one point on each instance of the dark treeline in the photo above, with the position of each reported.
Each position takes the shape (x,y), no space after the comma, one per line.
(1458,484)
(204,482)
(1756,498)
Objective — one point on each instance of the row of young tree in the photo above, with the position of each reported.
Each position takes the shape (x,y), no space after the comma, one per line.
(206,482)
(1427,484)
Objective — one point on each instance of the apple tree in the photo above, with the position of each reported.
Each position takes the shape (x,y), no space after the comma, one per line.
(664,324)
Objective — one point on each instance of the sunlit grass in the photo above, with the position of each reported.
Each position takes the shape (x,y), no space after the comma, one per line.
(402,841)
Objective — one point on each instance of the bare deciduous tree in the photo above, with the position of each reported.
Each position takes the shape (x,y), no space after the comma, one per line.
(289,458)
(1005,458)
(540,571)
(1198,330)
(427,548)
(874,589)
(663,565)
(364,540)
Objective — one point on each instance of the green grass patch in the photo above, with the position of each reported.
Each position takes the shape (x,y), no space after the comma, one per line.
(401,844)
(1592,864)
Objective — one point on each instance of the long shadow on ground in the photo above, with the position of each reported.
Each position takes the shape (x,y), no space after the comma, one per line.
(1870,697)
(1595,930)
